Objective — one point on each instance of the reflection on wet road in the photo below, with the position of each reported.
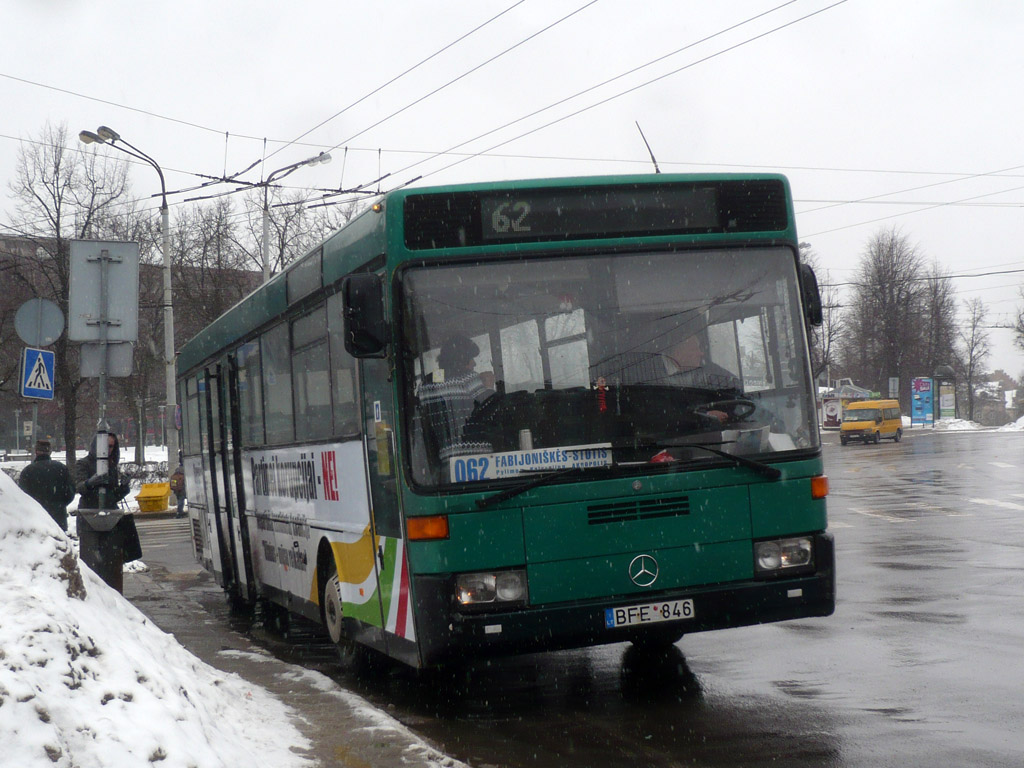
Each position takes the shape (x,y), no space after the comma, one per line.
(919,666)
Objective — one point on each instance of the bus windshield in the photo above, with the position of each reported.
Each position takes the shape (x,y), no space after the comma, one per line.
(628,360)
(862,414)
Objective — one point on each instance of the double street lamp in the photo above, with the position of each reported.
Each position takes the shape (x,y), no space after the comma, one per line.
(277,175)
(105,135)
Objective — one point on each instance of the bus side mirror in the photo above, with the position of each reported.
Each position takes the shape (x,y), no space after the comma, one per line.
(365,326)
(810,294)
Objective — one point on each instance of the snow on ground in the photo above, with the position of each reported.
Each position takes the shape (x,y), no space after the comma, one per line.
(88,680)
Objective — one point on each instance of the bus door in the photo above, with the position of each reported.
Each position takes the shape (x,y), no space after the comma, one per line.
(221,479)
(212,525)
(204,538)
(231,467)
(382,473)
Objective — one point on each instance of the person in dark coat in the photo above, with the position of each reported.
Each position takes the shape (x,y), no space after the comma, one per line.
(48,482)
(88,483)
(178,486)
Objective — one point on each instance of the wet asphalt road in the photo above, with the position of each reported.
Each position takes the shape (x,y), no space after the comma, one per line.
(919,666)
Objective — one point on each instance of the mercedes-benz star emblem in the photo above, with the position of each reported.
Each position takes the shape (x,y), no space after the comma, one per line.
(643,570)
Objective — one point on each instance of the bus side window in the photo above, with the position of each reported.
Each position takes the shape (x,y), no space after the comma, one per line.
(250,386)
(277,384)
(343,374)
(311,375)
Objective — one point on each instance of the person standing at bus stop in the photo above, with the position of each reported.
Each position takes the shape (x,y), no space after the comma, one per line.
(178,486)
(88,483)
(48,482)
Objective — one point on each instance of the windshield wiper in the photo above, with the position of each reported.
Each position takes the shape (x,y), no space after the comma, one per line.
(765,470)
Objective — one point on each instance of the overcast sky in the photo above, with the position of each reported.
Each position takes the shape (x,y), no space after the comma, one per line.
(883,114)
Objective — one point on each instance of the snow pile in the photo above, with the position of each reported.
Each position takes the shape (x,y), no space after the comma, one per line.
(87,680)
(1013,426)
(956,425)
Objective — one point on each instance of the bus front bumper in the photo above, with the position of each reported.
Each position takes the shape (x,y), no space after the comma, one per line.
(445,633)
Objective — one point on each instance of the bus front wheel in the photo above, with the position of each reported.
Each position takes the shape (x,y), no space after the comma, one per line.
(331,601)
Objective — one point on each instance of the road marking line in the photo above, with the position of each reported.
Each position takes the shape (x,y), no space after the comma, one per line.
(1001,464)
(833,524)
(998,503)
(887,518)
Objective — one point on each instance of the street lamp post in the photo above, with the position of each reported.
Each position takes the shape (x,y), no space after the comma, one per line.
(105,135)
(277,175)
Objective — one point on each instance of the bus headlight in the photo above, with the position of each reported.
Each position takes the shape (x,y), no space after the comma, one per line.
(780,555)
(491,588)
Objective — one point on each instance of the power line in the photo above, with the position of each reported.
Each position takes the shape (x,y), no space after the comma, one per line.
(930,278)
(379,88)
(918,210)
(599,85)
(623,93)
(466,74)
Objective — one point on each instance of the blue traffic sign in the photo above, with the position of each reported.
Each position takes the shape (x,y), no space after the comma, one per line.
(37,374)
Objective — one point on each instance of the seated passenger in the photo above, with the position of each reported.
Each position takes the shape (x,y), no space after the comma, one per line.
(686,365)
(446,405)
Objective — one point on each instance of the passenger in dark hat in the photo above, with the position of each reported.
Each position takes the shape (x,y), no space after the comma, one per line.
(48,482)
(447,404)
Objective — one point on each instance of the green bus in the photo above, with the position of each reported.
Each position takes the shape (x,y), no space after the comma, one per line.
(508,417)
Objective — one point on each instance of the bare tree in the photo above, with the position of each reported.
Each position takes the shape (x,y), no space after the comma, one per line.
(938,341)
(1018,326)
(295,227)
(975,347)
(884,320)
(61,194)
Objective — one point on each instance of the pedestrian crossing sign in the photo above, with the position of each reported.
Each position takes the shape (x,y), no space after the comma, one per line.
(37,374)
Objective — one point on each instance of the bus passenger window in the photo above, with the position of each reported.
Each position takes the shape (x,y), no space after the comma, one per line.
(277,384)
(250,389)
(311,375)
(343,374)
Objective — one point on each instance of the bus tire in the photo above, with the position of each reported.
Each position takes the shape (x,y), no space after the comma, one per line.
(330,599)
(877,439)
(843,440)
(899,434)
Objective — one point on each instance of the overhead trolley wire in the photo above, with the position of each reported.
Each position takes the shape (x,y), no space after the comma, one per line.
(686,47)
(379,88)
(621,93)
(466,74)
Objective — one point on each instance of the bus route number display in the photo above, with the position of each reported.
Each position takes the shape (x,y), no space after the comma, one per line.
(542,215)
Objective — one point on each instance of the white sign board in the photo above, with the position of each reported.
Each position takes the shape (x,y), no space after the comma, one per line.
(120,260)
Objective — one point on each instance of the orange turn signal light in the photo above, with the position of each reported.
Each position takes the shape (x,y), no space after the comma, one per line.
(819,487)
(427,528)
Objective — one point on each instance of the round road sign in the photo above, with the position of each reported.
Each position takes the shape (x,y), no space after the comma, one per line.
(39,322)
